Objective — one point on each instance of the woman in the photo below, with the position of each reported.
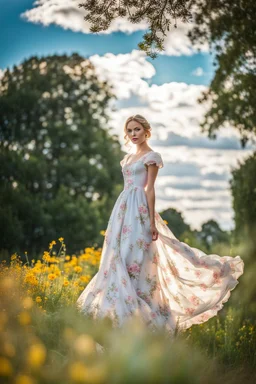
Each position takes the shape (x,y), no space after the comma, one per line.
(145,270)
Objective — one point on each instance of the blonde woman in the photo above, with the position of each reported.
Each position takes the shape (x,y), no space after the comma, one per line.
(145,270)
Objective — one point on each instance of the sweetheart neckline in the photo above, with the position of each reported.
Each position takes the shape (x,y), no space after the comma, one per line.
(134,162)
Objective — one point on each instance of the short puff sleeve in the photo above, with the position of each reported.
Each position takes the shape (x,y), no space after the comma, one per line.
(153,158)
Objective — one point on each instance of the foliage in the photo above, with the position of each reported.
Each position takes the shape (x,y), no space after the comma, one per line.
(44,338)
(57,154)
(243,187)
(175,221)
(159,16)
(211,234)
(229,27)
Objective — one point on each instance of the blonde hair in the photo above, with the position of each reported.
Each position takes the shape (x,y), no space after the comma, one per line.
(140,119)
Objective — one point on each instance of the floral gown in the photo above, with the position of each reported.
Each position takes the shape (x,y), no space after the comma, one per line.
(165,282)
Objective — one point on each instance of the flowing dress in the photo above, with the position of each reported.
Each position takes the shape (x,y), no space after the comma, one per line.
(167,283)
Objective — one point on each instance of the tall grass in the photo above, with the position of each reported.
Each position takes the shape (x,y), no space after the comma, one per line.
(44,339)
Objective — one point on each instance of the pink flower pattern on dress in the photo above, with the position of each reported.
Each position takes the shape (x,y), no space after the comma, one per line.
(194,300)
(166,282)
(142,244)
(122,210)
(143,214)
(126,231)
(189,311)
(133,270)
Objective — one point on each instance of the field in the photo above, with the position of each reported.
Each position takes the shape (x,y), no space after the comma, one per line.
(44,338)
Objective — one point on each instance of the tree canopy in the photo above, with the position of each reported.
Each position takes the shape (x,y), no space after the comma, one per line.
(57,154)
(243,187)
(159,15)
(228,26)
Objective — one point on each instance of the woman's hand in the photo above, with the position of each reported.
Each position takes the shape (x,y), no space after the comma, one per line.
(154,232)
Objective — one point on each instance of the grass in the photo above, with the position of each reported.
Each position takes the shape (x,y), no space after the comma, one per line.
(44,339)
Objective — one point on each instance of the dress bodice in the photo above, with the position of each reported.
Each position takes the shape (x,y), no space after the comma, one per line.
(136,173)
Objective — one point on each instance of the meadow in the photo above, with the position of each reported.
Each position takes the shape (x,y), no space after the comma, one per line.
(45,339)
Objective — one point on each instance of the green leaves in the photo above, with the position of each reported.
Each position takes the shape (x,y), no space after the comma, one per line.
(55,137)
(158,15)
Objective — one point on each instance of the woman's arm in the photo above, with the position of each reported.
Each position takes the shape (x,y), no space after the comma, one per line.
(150,195)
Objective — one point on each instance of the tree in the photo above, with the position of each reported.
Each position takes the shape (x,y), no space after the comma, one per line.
(211,234)
(57,155)
(228,26)
(159,16)
(175,221)
(243,187)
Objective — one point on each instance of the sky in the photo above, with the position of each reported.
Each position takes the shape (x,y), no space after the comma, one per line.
(196,173)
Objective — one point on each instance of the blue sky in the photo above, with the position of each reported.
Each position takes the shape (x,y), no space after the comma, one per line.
(20,39)
(196,173)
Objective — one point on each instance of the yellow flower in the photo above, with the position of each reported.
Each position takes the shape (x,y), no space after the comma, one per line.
(8,349)
(36,355)
(61,239)
(38,299)
(102,233)
(46,256)
(67,258)
(52,244)
(14,257)
(27,302)
(84,345)
(66,283)
(78,372)
(52,276)
(5,367)
(23,379)
(165,221)
(78,269)
(24,318)
(85,279)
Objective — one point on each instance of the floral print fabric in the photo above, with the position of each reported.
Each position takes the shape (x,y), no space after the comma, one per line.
(167,283)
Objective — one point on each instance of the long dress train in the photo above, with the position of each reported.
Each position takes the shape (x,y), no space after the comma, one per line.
(165,282)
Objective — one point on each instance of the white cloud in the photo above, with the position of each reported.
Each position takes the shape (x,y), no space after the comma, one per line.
(197,169)
(67,14)
(177,42)
(1,73)
(198,72)
(125,72)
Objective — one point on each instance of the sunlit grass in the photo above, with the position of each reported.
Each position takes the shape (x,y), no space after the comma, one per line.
(45,339)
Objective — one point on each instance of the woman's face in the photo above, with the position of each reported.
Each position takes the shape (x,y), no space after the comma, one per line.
(135,132)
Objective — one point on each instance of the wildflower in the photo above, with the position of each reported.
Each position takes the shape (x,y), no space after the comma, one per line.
(46,256)
(61,239)
(27,302)
(67,258)
(78,372)
(36,355)
(38,299)
(24,318)
(165,221)
(23,379)
(84,345)
(5,367)
(52,244)
(13,257)
(52,276)
(102,233)
(78,269)
(66,283)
